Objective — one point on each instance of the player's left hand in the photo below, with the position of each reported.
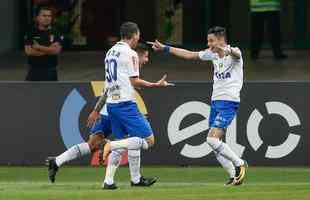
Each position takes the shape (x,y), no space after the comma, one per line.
(92,118)
(226,50)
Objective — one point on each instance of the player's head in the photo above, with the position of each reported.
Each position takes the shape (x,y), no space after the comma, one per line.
(216,36)
(44,16)
(130,32)
(143,53)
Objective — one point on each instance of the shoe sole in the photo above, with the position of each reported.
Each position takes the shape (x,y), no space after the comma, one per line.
(230,184)
(48,164)
(239,180)
(152,183)
(109,188)
(104,188)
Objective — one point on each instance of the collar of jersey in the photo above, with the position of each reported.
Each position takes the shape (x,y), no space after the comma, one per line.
(36,28)
(123,43)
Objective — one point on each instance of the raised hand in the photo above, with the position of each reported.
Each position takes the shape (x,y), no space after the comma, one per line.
(163,83)
(226,50)
(157,46)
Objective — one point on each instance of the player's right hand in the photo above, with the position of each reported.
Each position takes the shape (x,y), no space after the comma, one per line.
(163,83)
(92,118)
(157,46)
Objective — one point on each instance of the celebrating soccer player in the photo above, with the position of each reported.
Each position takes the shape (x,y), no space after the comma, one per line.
(100,125)
(228,79)
(122,76)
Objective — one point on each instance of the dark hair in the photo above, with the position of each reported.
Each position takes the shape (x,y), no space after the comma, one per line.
(40,8)
(141,48)
(217,31)
(128,29)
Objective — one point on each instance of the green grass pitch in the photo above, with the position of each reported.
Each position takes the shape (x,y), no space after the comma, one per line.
(175,183)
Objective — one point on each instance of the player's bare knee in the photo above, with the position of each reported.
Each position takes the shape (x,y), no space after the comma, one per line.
(214,136)
(150,141)
(94,142)
(92,146)
(216,133)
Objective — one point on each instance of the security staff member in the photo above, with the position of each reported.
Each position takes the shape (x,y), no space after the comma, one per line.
(42,46)
(265,11)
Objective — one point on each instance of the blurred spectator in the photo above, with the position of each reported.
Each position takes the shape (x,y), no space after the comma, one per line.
(265,11)
(64,17)
(42,46)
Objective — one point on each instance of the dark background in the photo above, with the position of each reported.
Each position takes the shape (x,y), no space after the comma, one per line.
(198,16)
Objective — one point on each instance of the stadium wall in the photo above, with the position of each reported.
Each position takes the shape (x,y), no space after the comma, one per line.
(9,20)
(272,128)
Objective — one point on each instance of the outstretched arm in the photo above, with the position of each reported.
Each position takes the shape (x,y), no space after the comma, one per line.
(182,53)
(137,82)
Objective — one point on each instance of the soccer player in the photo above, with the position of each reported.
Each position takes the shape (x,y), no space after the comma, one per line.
(99,131)
(228,79)
(133,155)
(122,75)
(100,125)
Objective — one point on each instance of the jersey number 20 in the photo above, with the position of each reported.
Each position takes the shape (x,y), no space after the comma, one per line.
(111,70)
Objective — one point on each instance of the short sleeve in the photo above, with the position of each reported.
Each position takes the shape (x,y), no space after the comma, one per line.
(207,55)
(133,65)
(238,51)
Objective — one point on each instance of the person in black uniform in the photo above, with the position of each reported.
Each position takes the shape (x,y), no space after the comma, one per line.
(266,12)
(42,46)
